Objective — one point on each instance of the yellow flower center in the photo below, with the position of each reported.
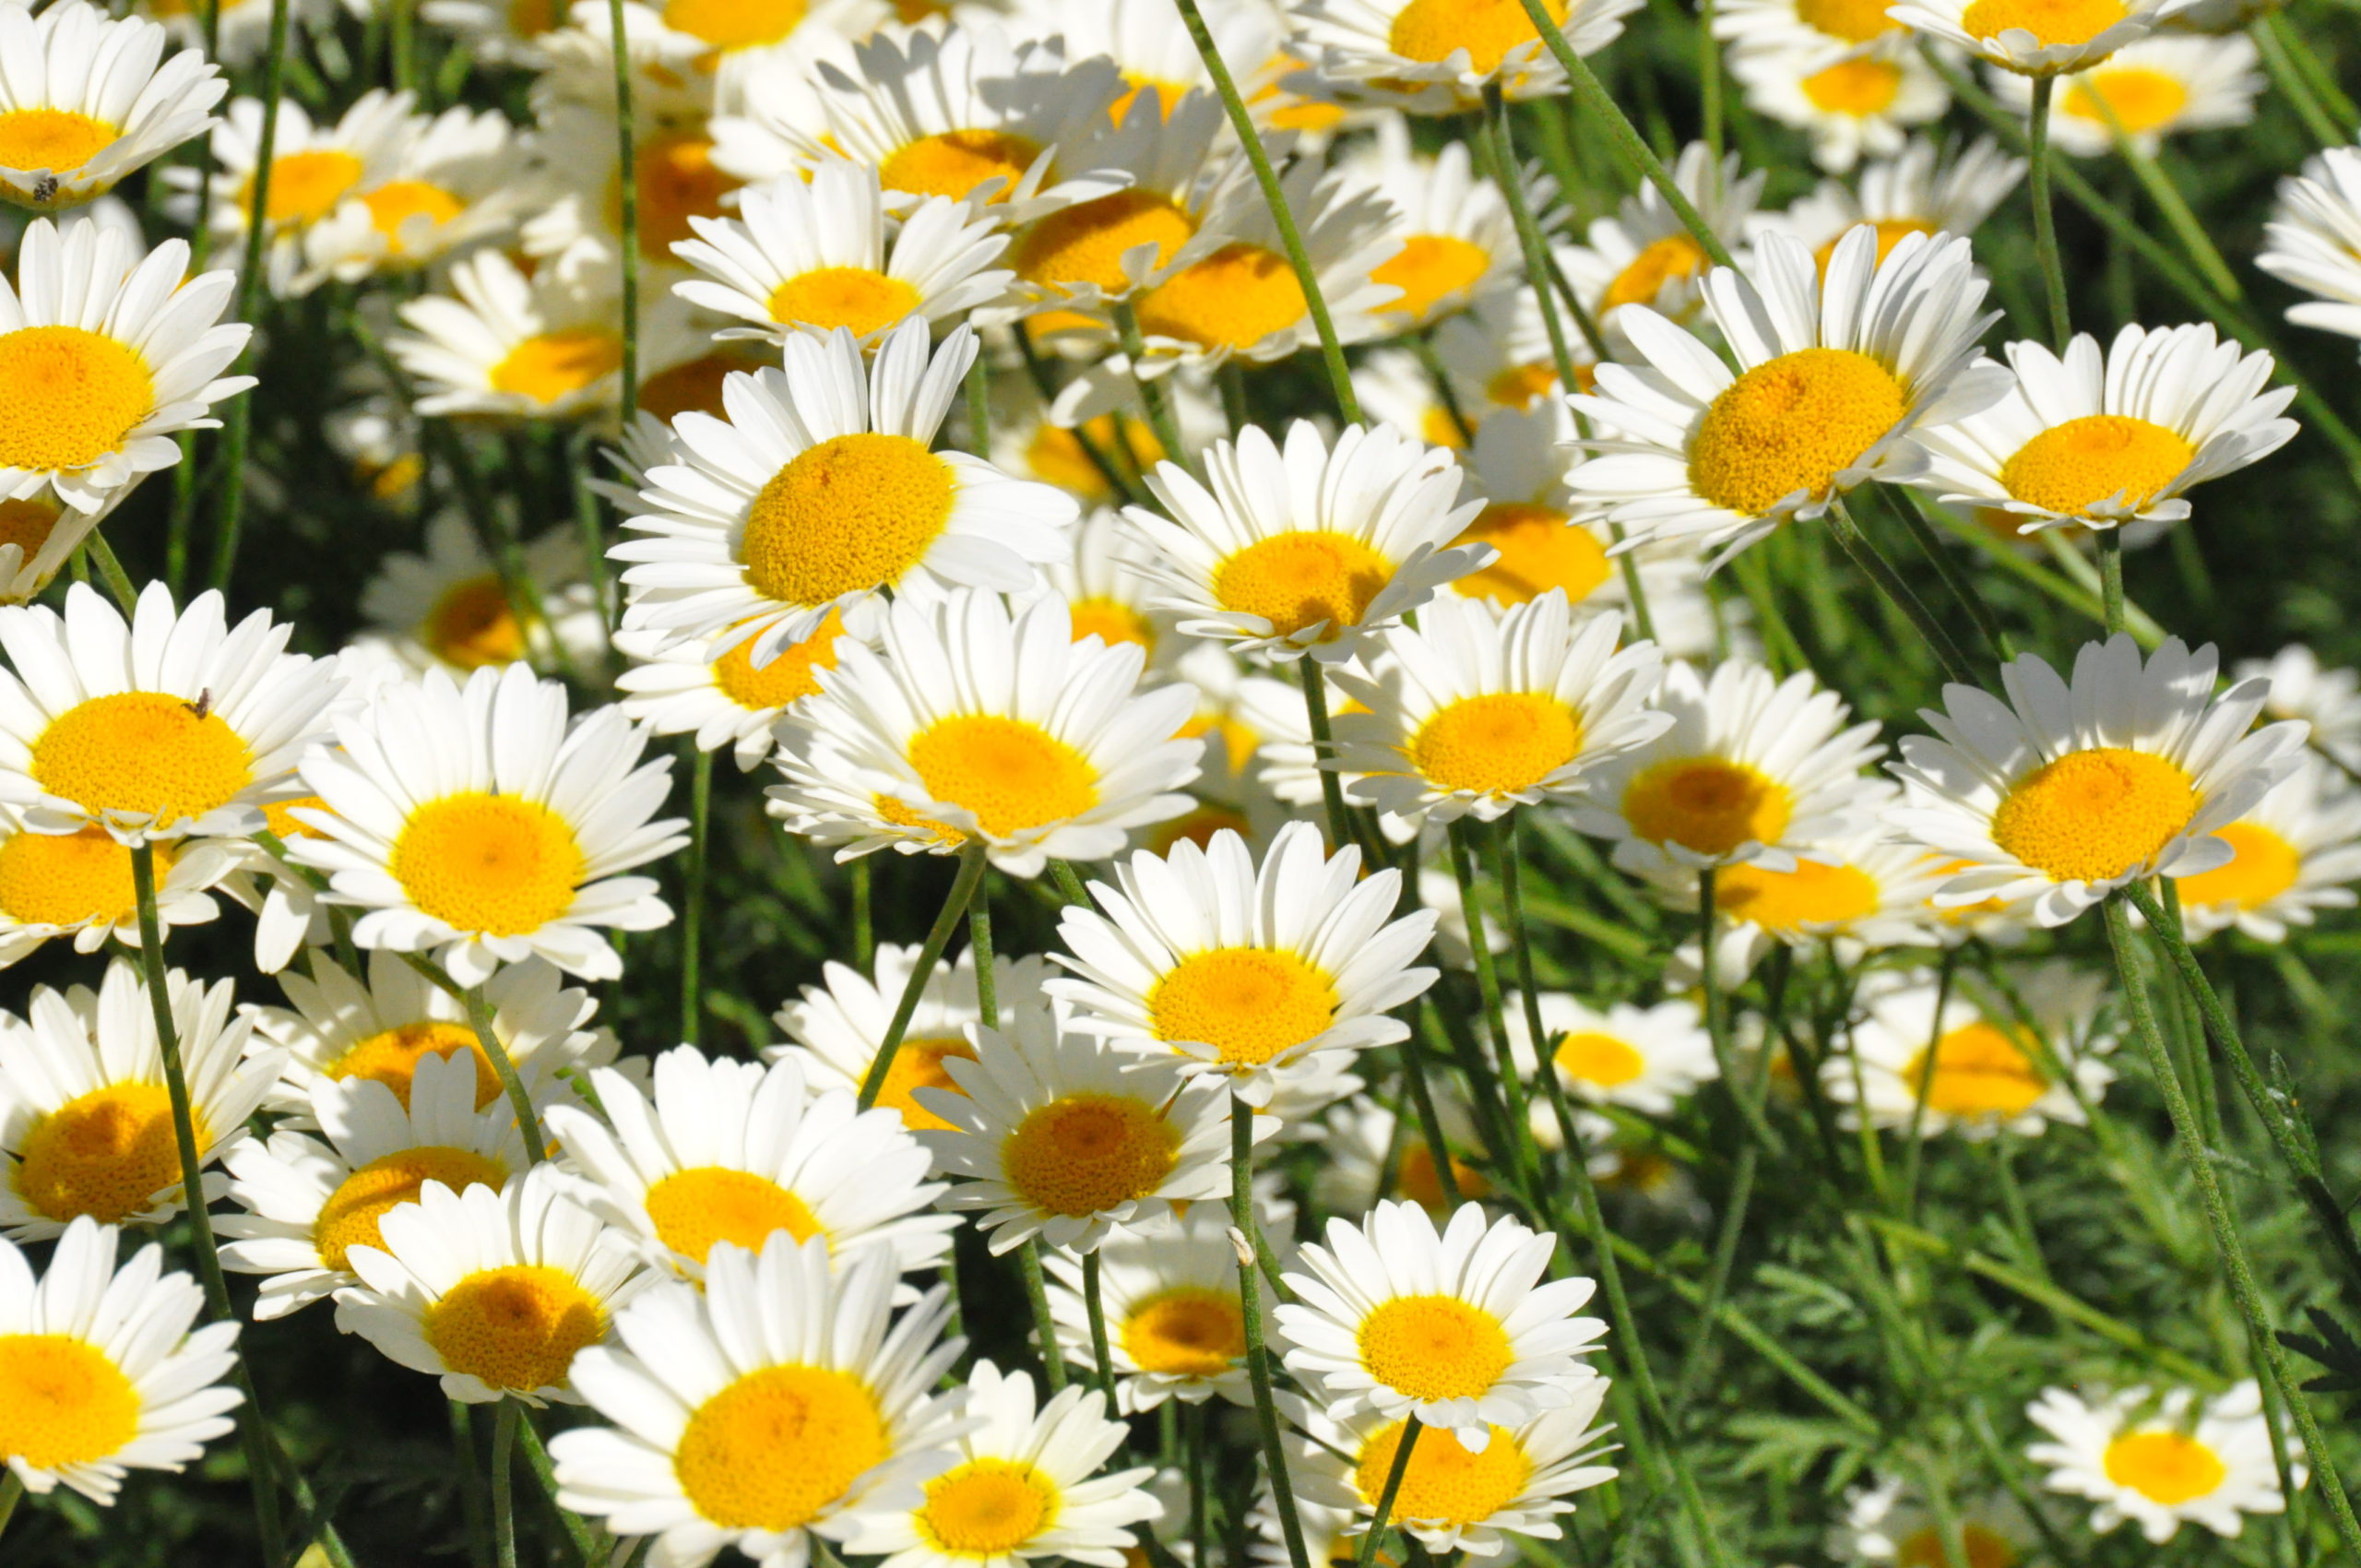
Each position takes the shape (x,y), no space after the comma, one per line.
(2143,99)
(853,513)
(305,186)
(1443,1480)
(63,1401)
(986,1508)
(1705,804)
(1855,86)
(1239,740)
(395,203)
(675,180)
(526,19)
(1979,1070)
(1233,298)
(1111,622)
(27,525)
(68,397)
(1429,30)
(952,163)
(1430,269)
(2262,866)
(1437,428)
(1188,1331)
(851,297)
(692,1209)
(789,677)
(65,879)
(1056,456)
(551,365)
(1496,743)
(2092,816)
(1168,95)
(1924,1549)
(146,753)
(1812,894)
(1299,579)
(1791,425)
(283,822)
(1088,1153)
(1855,21)
(350,1218)
(894,812)
(60,140)
(2087,460)
(2167,1468)
(1599,1060)
(2049,21)
(919,1065)
(1084,244)
(1643,277)
(1011,773)
(778,1447)
(105,1154)
(734,24)
(1249,1003)
(1519,386)
(1891,231)
(1434,1347)
(693,384)
(472,624)
(514,1328)
(489,863)
(391,1057)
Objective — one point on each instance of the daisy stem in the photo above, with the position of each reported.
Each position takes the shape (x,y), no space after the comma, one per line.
(979,408)
(692,892)
(12,1490)
(627,185)
(2110,543)
(1717,1022)
(504,1491)
(2227,1241)
(1866,555)
(1152,397)
(475,1502)
(520,1100)
(1422,343)
(2287,76)
(1193,1421)
(261,1469)
(2045,220)
(1487,986)
(979,953)
(2161,190)
(1709,80)
(1045,1326)
(864,922)
(110,572)
(537,1460)
(1414,1076)
(1069,883)
(1912,510)
(1411,1428)
(2137,621)
(1324,751)
(1100,1355)
(1249,1305)
(963,889)
(1241,121)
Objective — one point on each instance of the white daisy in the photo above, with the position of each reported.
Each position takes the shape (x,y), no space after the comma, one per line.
(1454,239)
(1150,44)
(2162,86)
(1646,255)
(86,103)
(2313,242)
(1917,191)
(2036,38)
(1885,1521)
(1175,1328)
(449,185)
(1369,1152)
(313,169)
(2298,851)
(1437,56)
(38,535)
(2159,1461)
(1518,466)
(1831,25)
(1497,354)
(447,607)
(78,886)
(1852,104)
(2326,698)
(683,686)
(1648,1058)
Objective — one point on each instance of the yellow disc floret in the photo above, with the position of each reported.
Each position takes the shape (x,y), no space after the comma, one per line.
(986,1508)
(953,163)
(393,205)
(106,1153)
(2049,21)
(1296,580)
(774,1449)
(788,677)
(68,397)
(677,180)
(1187,1331)
(1855,21)
(1111,622)
(2142,98)
(63,1401)
(1084,244)
(516,1328)
(1443,1481)
(306,186)
(1011,773)
(495,864)
(919,1065)
(1430,269)
(64,879)
(1431,32)
(350,1218)
(551,365)
(1420,1181)
(1810,894)
(1891,232)
(26,523)
(852,514)
(143,753)
(734,24)
(1792,426)
(1539,549)
(855,298)
(1499,743)
(692,1209)
(2262,866)
(1249,1003)
(2092,816)
(1599,1060)
(1706,805)
(1855,86)
(473,624)
(1090,1153)
(391,1056)
(1233,298)
(1979,1070)
(59,140)
(2074,465)
(1434,1347)
(1645,276)
(2166,1467)
(1924,1547)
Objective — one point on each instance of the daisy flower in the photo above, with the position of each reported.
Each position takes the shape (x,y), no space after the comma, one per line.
(449,183)
(1647,1059)
(683,686)
(1852,104)
(820,490)
(1175,1328)
(1917,191)
(765,1409)
(1833,376)
(493,1291)
(675,181)
(1646,255)
(1394,389)
(1369,1152)
(2036,38)
(967,721)
(85,1122)
(78,886)
(1437,56)
(2068,790)
(1518,466)
(448,608)
(87,102)
(1886,1522)
(106,353)
(100,1371)
(2326,698)
(1752,769)
(309,1201)
(1454,238)
(1305,549)
(1833,25)
(812,257)
(2296,853)
(1247,972)
(1482,710)
(2162,86)
(1024,1485)
(2162,1461)
(38,535)
(1456,1328)
(732,1151)
(478,825)
(313,168)
(1150,44)
(175,724)
(1059,1135)
(1106,586)
(2313,240)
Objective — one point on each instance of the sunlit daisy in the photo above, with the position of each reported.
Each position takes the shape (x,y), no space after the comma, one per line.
(2296,853)
(1498,354)
(448,607)
(86,102)
(1646,255)
(308,1200)
(1175,1329)
(1437,56)
(2326,697)
(1887,1522)
(764,1409)
(2313,242)
(55,886)
(1645,1058)
(86,1122)
(478,825)
(1394,388)
(1452,239)
(100,1374)
(1518,466)
(1918,191)
(1024,1486)
(1852,104)
(1456,1327)
(38,535)
(2036,38)
(2161,1461)
(578,226)
(449,183)
(1055,1135)
(313,168)
(2162,86)
(2068,790)
(683,686)
(1028,442)
(1833,373)
(1246,971)
(820,490)
(1976,1068)
(493,1290)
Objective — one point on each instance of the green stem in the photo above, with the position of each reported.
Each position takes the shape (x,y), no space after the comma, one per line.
(1913,513)
(2137,621)
(520,1100)
(963,889)
(475,1502)
(1101,1356)
(2169,201)
(2045,220)
(864,921)
(980,407)
(1515,1114)
(692,887)
(1045,1326)
(2279,61)
(628,186)
(1069,883)
(1323,752)
(578,1533)
(1879,570)
(110,572)
(1411,1428)
(2110,541)
(504,1490)
(1151,390)
(1194,1422)
(1250,1303)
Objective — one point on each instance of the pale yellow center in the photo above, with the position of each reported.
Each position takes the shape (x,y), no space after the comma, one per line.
(2084,461)
(1891,232)
(953,163)
(1011,773)
(495,864)
(855,298)
(1496,745)
(549,366)
(919,1065)
(1056,456)
(60,140)
(63,1401)
(2262,866)
(853,513)
(1599,1060)
(143,752)
(1810,894)
(1111,622)
(1792,426)
(1187,1331)
(2092,816)
(1429,269)
(350,1218)
(517,1327)
(1434,1347)
(1249,1003)
(68,397)
(395,203)
(1298,580)
(1443,1481)
(1706,805)
(692,1209)
(1233,298)
(305,186)
(1084,244)
(734,24)
(778,1447)
(1090,1153)
(1856,21)
(2167,1468)
(1979,1070)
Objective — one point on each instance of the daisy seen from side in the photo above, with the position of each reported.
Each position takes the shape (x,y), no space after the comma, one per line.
(2036,38)
(2313,240)
(2296,853)
(2166,85)
(1433,57)
(92,99)
(1647,1059)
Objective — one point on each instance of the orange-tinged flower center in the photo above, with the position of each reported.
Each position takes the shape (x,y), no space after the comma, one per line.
(1660,262)
(106,1153)
(1539,549)
(1431,269)
(1979,1070)
(1855,86)
(1233,298)
(778,1447)
(1787,901)
(2141,98)
(1792,426)
(1090,1153)
(2074,465)
(2092,816)
(1706,805)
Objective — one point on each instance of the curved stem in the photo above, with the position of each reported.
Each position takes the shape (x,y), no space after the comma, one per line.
(2045,220)
(693,893)
(110,572)
(1323,752)
(963,889)
(1151,391)
(520,1100)
(1258,1354)
(1865,554)
(12,1491)
(578,1531)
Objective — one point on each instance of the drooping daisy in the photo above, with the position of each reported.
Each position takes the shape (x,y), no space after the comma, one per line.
(763,1409)
(1754,769)
(309,1201)
(86,1122)
(2313,242)
(1852,104)
(102,1372)
(493,1291)
(1646,255)
(449,608)
(969,721)
(2296,853)
(2036,38)
(1886,1522)
(1834,375)
(478,824)
(1452,240)
(1437,56)
(1645,1058)
(1918,191)
(2325,696)
(2161,1461)
(86,102)
(1456,1327)
(1175,1328)
(2162,86)
(2103,440)
(820,490)
(1024,1486)
(1055,1135)
(1304,549)
(104,354)
(314,168)
(1247,972)
(448,184)
(78,886)
(2066,791)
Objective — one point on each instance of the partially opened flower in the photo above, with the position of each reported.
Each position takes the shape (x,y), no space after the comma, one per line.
(1454,239)
(450,183)
(86,103)
(2313,242)
(709,687)
(2296,853)
(2161,1461)
(315,167)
